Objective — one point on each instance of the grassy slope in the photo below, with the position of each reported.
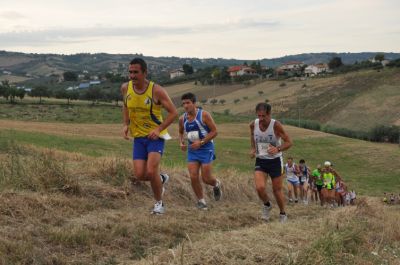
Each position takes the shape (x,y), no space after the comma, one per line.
(367,167)
(63,208)
(357,100)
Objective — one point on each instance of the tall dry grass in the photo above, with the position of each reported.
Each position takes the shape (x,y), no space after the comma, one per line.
(62,209)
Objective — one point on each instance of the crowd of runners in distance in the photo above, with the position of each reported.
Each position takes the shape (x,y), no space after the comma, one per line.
(323,185)
(391,198)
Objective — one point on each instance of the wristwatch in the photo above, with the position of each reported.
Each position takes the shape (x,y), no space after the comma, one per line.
(279,149)
(202,142)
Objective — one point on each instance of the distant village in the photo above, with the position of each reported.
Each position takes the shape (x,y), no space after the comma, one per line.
(291,69)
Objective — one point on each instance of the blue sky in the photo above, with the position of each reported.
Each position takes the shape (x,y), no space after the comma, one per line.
(229,29)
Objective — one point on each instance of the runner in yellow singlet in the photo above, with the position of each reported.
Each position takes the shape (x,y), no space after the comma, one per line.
(143,101)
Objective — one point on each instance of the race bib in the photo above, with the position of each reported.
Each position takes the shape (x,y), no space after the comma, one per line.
(262,148)
(193,136)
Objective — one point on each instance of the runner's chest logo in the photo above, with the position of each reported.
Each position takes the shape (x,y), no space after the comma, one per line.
(147,101)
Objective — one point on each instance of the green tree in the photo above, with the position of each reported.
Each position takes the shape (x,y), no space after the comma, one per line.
(214,101)
(93,94)
(40,91)
(21,93)
(335,62)
(188,69)
(222,101)
(4,89)
(12,93)
(70,76)
(260,92)
(379,57)
(237,100)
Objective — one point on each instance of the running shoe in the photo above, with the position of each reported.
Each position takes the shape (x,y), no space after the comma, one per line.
(159,208)
(201,206)
(282,218)
(265,212)
(164,180)
(217,191)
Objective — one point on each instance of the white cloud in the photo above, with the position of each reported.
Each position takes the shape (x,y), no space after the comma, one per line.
(248,30)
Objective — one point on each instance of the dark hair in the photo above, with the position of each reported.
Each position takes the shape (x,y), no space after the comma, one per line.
(302,161)
(190,96)
(141,62)
(263,106)
(290,158)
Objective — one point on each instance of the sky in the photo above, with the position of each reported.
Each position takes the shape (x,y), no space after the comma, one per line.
(252,29)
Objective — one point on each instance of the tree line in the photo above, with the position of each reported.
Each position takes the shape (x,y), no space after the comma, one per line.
(95,93)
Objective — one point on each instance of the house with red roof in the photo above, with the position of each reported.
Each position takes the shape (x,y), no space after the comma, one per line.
(239,70)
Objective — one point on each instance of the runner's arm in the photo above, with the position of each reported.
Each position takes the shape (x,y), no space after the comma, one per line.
(182,142)
(208,120)
(125,113)
(252,142)
(162,98)
(280,132)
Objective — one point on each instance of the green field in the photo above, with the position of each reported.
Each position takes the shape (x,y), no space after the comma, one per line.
(367,167)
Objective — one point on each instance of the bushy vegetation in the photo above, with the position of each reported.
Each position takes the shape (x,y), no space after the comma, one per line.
(379,133)
(307,124)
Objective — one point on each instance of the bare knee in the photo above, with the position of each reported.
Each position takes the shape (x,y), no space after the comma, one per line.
(276,189)
(260,189)
(140,174)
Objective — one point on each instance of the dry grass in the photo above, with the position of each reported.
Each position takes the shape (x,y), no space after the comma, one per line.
(60,208)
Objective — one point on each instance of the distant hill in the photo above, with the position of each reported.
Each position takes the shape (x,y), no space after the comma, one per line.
(39,65)
(356,101)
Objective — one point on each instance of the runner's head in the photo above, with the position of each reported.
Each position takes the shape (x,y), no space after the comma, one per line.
(327,164)
(290,160)
(189,102)
(137,70)
(263,111)
(319,167)
(302,161)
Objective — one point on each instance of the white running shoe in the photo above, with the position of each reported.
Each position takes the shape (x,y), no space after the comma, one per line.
(305,202)
(201,206)
(159,208)
(282,218)
(164,180)
(217,191)
(265,212)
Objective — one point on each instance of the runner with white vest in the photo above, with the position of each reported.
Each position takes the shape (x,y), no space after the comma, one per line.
(266,134)
(292,172)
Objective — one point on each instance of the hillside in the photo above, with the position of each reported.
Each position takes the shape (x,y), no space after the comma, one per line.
(356,100)
(38,65)
(67,199)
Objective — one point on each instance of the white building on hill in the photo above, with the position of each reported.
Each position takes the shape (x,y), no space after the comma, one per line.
(315,69)
(176,73)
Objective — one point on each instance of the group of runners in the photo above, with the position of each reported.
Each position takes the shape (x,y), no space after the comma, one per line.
(391,198)
(142,120)
(323,185)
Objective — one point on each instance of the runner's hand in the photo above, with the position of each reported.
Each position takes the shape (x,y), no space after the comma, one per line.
(125,131)
(272,150)
(183,146)
(154,134)
(196,145)
(252,153)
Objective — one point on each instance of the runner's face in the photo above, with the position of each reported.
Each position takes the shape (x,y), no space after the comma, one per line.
(289,162)
(136,74)
(263,116)
(188,105)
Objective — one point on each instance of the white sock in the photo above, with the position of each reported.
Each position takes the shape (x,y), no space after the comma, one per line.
(216,183)
(202,201)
